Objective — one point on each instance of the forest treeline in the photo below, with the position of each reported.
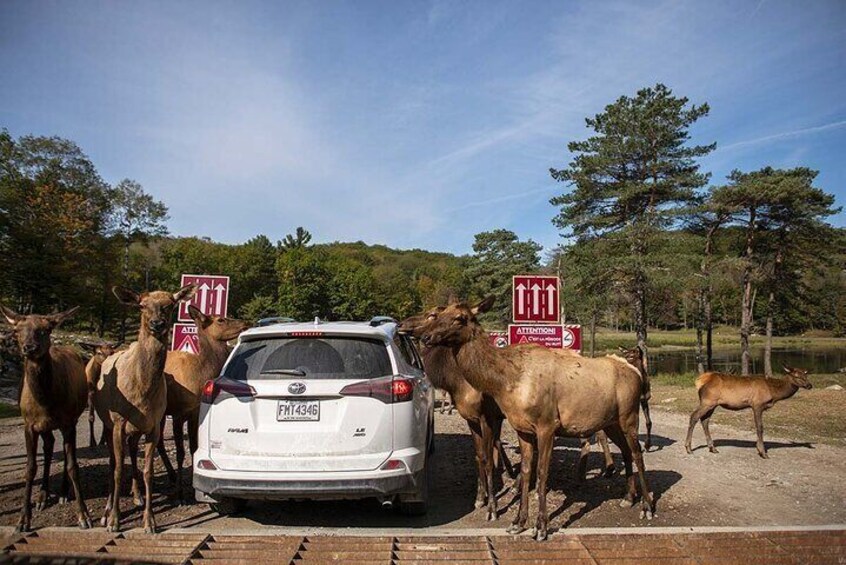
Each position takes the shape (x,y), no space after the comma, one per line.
(650,241)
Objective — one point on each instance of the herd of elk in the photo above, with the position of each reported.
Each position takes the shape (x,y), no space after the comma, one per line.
(541,392)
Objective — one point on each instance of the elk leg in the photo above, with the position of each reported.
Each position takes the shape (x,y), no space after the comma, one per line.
(694,417)
(646,503)
(545,444)
(171,474)
(706,420)
(481,485)
(527,455)
(118,439)
(107,437)
(487,464)
(179,439)
(31,440)
(503,460)
(584,452)
(644,405)
(149,447)
(758,414)
(48,442)
(92,439)
(72,469)
(619,438)
(132,446)
(610,468)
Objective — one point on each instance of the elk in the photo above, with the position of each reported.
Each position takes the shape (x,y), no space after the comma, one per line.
(131,395)
(186,374)
(543,393)
(99,353)
(636,357)
(53,395)
(483,416)
(733,392)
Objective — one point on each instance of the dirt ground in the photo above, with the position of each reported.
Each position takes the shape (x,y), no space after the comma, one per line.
(801,484)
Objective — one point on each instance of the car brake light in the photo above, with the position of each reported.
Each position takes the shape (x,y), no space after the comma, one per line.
(206,465)
(387,389)
(236,388)
(392,464)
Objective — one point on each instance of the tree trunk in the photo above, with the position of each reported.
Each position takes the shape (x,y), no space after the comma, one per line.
(122,335)
(746,304)
(592,334)
(768,343)
(698,321)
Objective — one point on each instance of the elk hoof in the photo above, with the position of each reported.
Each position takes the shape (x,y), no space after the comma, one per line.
(646,514)
(22,528)
(540,534)
(491,517)
(688,449)
(84,523)
(515,529)
(626,503)
(41,500)
(113,528)
(480,502)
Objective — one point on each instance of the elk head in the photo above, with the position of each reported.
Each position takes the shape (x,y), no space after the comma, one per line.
(636,357)
(217,328)
(156,306)
(798,377)
(456,324)
(33,331)
(410,324)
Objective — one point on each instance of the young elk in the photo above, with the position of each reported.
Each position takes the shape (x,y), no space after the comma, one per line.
(99,353)
(132,395)
(636,357)
(186,374)
(738,393)
(53,395)
(542,393)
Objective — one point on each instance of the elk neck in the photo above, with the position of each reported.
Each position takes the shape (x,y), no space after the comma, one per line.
(38,379)
(441,367)
(781,389)
(153,351)
(213,353)
(483,366)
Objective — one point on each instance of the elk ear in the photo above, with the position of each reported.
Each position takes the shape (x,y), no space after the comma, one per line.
(483,306)
(88,346)
(10,315)
(185,293)
(199,318)
(452,299)
(57,319)
(126,296)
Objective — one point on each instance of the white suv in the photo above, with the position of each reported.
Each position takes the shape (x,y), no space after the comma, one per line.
(321,410)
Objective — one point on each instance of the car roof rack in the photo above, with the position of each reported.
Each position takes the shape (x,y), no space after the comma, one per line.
(274,320)
(376,321)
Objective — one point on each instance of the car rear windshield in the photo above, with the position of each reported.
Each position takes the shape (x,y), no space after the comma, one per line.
(310,357)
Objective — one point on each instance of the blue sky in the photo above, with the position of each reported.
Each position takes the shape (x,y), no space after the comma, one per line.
(413,124)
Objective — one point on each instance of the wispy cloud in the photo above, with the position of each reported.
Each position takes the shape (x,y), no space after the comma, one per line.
(783,135)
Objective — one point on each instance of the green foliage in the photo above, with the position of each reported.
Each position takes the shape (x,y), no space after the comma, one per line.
(498,256)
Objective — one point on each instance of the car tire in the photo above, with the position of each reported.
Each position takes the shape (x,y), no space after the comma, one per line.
(229,506)
(417,504)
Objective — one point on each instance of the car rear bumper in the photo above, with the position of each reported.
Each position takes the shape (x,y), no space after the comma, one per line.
(219,484)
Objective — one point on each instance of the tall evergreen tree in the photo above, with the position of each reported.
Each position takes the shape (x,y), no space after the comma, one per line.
(634,177)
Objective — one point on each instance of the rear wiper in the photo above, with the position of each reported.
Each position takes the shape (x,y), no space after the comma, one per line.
(294,372)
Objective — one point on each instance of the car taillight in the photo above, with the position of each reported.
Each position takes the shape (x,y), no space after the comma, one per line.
(386,389)
(236,388)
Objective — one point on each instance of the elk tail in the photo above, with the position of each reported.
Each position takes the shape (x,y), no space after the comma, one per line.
(703,380)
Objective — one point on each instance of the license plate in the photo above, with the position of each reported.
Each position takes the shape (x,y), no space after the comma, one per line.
(298,411)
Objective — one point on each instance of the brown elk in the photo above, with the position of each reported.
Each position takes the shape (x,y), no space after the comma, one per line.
(636,356)
(53,395)
(99,353)
(734,392)
(481,412)
(132,395)
(543,393)
(186,374)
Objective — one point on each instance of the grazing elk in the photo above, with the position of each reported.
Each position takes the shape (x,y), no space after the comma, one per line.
(131,396)
(738,393)
(543,393)
(99,353)
(186,374)
(53,396)
(481,412)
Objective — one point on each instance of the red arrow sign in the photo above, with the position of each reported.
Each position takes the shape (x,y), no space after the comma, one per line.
(212,297)
(536,299)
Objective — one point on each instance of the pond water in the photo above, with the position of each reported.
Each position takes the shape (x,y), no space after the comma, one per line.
(816,360)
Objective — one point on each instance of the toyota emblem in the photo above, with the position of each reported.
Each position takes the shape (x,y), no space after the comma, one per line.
(296,388)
